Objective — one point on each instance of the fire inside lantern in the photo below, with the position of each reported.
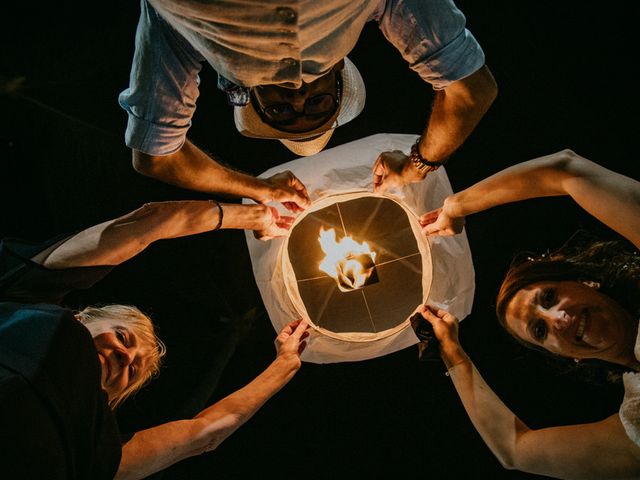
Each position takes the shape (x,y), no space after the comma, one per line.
(350,263)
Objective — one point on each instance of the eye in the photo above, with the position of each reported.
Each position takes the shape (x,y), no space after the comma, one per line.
(317,100)
(132,372)
(548,298)
(540,331)
(279,109)
(120,335)
(319,104)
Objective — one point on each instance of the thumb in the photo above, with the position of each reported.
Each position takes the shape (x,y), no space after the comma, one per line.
(300,329)
(431,229)
(275,214)
(429,217)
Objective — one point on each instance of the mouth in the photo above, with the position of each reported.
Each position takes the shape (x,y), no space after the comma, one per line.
(581,327)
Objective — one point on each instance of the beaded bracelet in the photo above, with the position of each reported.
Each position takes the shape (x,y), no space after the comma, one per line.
(422,165)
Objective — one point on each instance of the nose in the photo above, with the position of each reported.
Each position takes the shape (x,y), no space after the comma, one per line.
(297,102)
(125,357)
(559,319)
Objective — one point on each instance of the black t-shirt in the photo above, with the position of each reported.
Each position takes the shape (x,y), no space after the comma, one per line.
(54,416)
(55,421)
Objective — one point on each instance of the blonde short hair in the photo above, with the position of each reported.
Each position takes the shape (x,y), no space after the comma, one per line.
(128,317)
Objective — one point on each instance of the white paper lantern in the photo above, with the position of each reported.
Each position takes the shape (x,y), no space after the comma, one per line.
(349,321)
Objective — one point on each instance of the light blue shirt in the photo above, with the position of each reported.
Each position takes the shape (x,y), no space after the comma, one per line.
(285,42)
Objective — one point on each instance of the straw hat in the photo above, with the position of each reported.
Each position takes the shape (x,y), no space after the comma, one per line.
(249,123)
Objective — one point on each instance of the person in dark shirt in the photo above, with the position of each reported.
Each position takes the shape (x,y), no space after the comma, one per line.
(63,372)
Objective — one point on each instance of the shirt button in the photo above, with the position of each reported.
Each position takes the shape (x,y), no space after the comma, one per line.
(290,61)
(286,14)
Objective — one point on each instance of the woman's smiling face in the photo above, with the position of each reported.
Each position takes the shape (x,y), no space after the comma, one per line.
(572,319)
(122,357)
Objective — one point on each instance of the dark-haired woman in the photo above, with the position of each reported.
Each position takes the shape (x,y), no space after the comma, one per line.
(580,304)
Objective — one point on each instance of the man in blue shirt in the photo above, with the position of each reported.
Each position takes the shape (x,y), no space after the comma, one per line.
(284,67)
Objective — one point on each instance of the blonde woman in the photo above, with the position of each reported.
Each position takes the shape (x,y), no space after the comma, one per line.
(62,372)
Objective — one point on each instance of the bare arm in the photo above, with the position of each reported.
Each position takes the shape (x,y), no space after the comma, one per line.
(612,198)
(455,113)
(586,451)
(157,448)
(193,169)
(116,241)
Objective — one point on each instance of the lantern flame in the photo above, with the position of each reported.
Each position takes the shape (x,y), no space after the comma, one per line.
(350,263)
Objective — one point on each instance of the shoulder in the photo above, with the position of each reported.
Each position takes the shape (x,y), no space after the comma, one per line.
(630,408)
(32,334)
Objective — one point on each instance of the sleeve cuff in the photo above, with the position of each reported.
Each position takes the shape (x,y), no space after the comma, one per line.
(154,139)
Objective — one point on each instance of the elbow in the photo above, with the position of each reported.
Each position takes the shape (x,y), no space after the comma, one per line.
(147,165)
(148,221)
(515,455)
(490,90)
(158,219)
(509,447)
(566,156)
(505,454)
(508,463)
(508,460)
(484,83)
(567,161)
(213,433)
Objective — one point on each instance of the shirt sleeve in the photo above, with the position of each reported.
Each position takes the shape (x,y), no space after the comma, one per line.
(23,280)
(163,86)
(432,37)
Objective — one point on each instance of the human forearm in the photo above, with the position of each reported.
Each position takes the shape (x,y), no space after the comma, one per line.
(183,218)
(497,425)
(193,169)
(157,448)
(244,403)
(118,240)
(584,451)
(495,422)
(598,190)
(455,113)
(540,177)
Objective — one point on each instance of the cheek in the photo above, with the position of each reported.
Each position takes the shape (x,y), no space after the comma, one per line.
(555,345)
(103,341)
(515,327)
(268,97)
(118,385)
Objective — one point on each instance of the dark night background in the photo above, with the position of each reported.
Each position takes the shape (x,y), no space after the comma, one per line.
(563,70)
